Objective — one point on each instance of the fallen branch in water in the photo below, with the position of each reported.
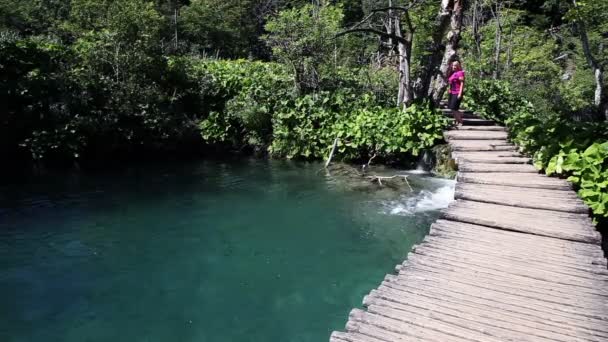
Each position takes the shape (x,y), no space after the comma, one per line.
(381,178)
(371,159)
(331,154)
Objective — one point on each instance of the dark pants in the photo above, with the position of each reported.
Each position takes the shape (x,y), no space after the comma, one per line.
(454,102)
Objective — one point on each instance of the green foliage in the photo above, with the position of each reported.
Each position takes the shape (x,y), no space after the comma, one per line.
(218,26)
(304,38)
(308,129)
(492,99)
(566,148)
(250,93)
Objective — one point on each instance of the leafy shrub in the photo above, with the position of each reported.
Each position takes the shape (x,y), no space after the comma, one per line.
(566,148)
(245,96)
(304,38)
(492,99)
(364,130)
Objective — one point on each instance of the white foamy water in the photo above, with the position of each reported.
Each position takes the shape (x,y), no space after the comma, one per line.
(423,200)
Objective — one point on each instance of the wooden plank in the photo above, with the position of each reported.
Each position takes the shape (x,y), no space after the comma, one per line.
(538,256)
(435,245)
(491,300)
(465,166)
(471,303)
(439,289)
(420,326)
(394,330)
(574,279)
(478,122)
(352,337)
(515,240)
(488,315)
(481,154)
(489,159)
(482,128)
(558,200)
(481,145)
(561,225)
(474,135)
(496,326)
(522,180)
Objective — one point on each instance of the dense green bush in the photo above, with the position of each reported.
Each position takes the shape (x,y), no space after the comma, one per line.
(566,148)
(491,99)
(364,130)
(246,95)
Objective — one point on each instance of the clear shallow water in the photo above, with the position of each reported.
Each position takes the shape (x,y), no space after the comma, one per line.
(207,252)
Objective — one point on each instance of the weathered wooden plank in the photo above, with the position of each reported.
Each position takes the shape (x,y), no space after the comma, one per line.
(483,128)
(581,300)
(520,329)
(506,312)
(558,200)
(371,330)
(561,225)
(481,154)
(516,309)
(352,337)
(577,280)
(488,315)
(425,327)
(510,309)
(515,240)
(475,135)
(481,145)
(492,275)
(473,328)
(522,180)
(363,322)
(465,166)
(494,160)
(501,257)
(438,290)
(478,122)
(538,255)
(531,275)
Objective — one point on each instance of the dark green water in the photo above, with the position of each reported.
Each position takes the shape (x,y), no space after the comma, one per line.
(207,252)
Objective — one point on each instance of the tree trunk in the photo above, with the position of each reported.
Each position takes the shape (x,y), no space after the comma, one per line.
(450,51)
(431,66)
(599,99)
(498,42)
(405,51)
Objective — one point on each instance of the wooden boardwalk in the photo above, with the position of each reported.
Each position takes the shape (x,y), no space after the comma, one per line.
(514,258)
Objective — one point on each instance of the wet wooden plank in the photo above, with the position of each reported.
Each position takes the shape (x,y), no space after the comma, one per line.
(558,200)
(561,225)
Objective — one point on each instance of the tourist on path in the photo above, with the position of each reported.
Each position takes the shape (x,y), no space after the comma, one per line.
(456,81)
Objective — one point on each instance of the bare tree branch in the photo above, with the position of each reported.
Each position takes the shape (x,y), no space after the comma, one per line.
(375,31)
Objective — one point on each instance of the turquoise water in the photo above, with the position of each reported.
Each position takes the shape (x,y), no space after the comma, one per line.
(207,251)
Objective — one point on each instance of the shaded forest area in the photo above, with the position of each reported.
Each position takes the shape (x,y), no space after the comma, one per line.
(118,79)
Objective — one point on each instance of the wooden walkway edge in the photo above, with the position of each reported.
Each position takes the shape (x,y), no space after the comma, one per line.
(514,258)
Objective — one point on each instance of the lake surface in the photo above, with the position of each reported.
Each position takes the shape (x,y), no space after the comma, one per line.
(208,251)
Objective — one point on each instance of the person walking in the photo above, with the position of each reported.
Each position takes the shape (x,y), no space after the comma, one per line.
(456,81)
